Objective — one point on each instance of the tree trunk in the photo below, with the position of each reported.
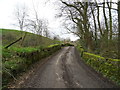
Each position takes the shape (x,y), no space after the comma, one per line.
(95,26)
(118,37)
(106,24)
(110,17)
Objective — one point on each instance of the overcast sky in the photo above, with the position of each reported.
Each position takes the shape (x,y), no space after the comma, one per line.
(46,11)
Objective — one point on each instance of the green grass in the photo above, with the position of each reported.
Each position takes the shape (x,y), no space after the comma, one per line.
(53,45)
(17,60)
(107,66)
(8,36)
(24,49)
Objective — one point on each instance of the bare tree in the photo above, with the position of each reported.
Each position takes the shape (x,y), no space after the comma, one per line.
(21,14)
(90,27)
(80,13)
(95,24)
(119,36)
(46,32)
(110,17)
(37,25)
(98,19)
(106,23)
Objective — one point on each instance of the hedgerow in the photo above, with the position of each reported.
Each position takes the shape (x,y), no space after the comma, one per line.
(106,66)
(17,60)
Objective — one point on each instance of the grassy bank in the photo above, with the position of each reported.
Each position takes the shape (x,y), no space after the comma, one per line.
(18,60)
(31,39)
(106,66)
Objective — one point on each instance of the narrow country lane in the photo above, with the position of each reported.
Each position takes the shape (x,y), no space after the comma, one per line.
(65,70)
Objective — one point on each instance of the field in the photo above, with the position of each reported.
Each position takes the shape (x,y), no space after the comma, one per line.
(8,36)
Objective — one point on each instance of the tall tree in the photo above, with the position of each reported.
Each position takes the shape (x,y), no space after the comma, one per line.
(79,13)
(110,17)
(119,31)
(98,18)
(106,23)
(95,26)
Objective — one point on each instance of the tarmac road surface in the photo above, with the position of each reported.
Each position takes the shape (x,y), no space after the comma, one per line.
(66,70)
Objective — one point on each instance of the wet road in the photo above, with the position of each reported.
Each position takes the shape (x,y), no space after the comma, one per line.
(65,70)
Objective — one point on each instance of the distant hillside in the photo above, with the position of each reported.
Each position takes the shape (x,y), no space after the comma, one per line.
(31,39)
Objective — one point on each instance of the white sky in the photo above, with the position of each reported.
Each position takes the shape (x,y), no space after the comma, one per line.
(47,11)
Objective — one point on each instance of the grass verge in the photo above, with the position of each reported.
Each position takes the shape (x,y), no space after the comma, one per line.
(17,60)
(106,66)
